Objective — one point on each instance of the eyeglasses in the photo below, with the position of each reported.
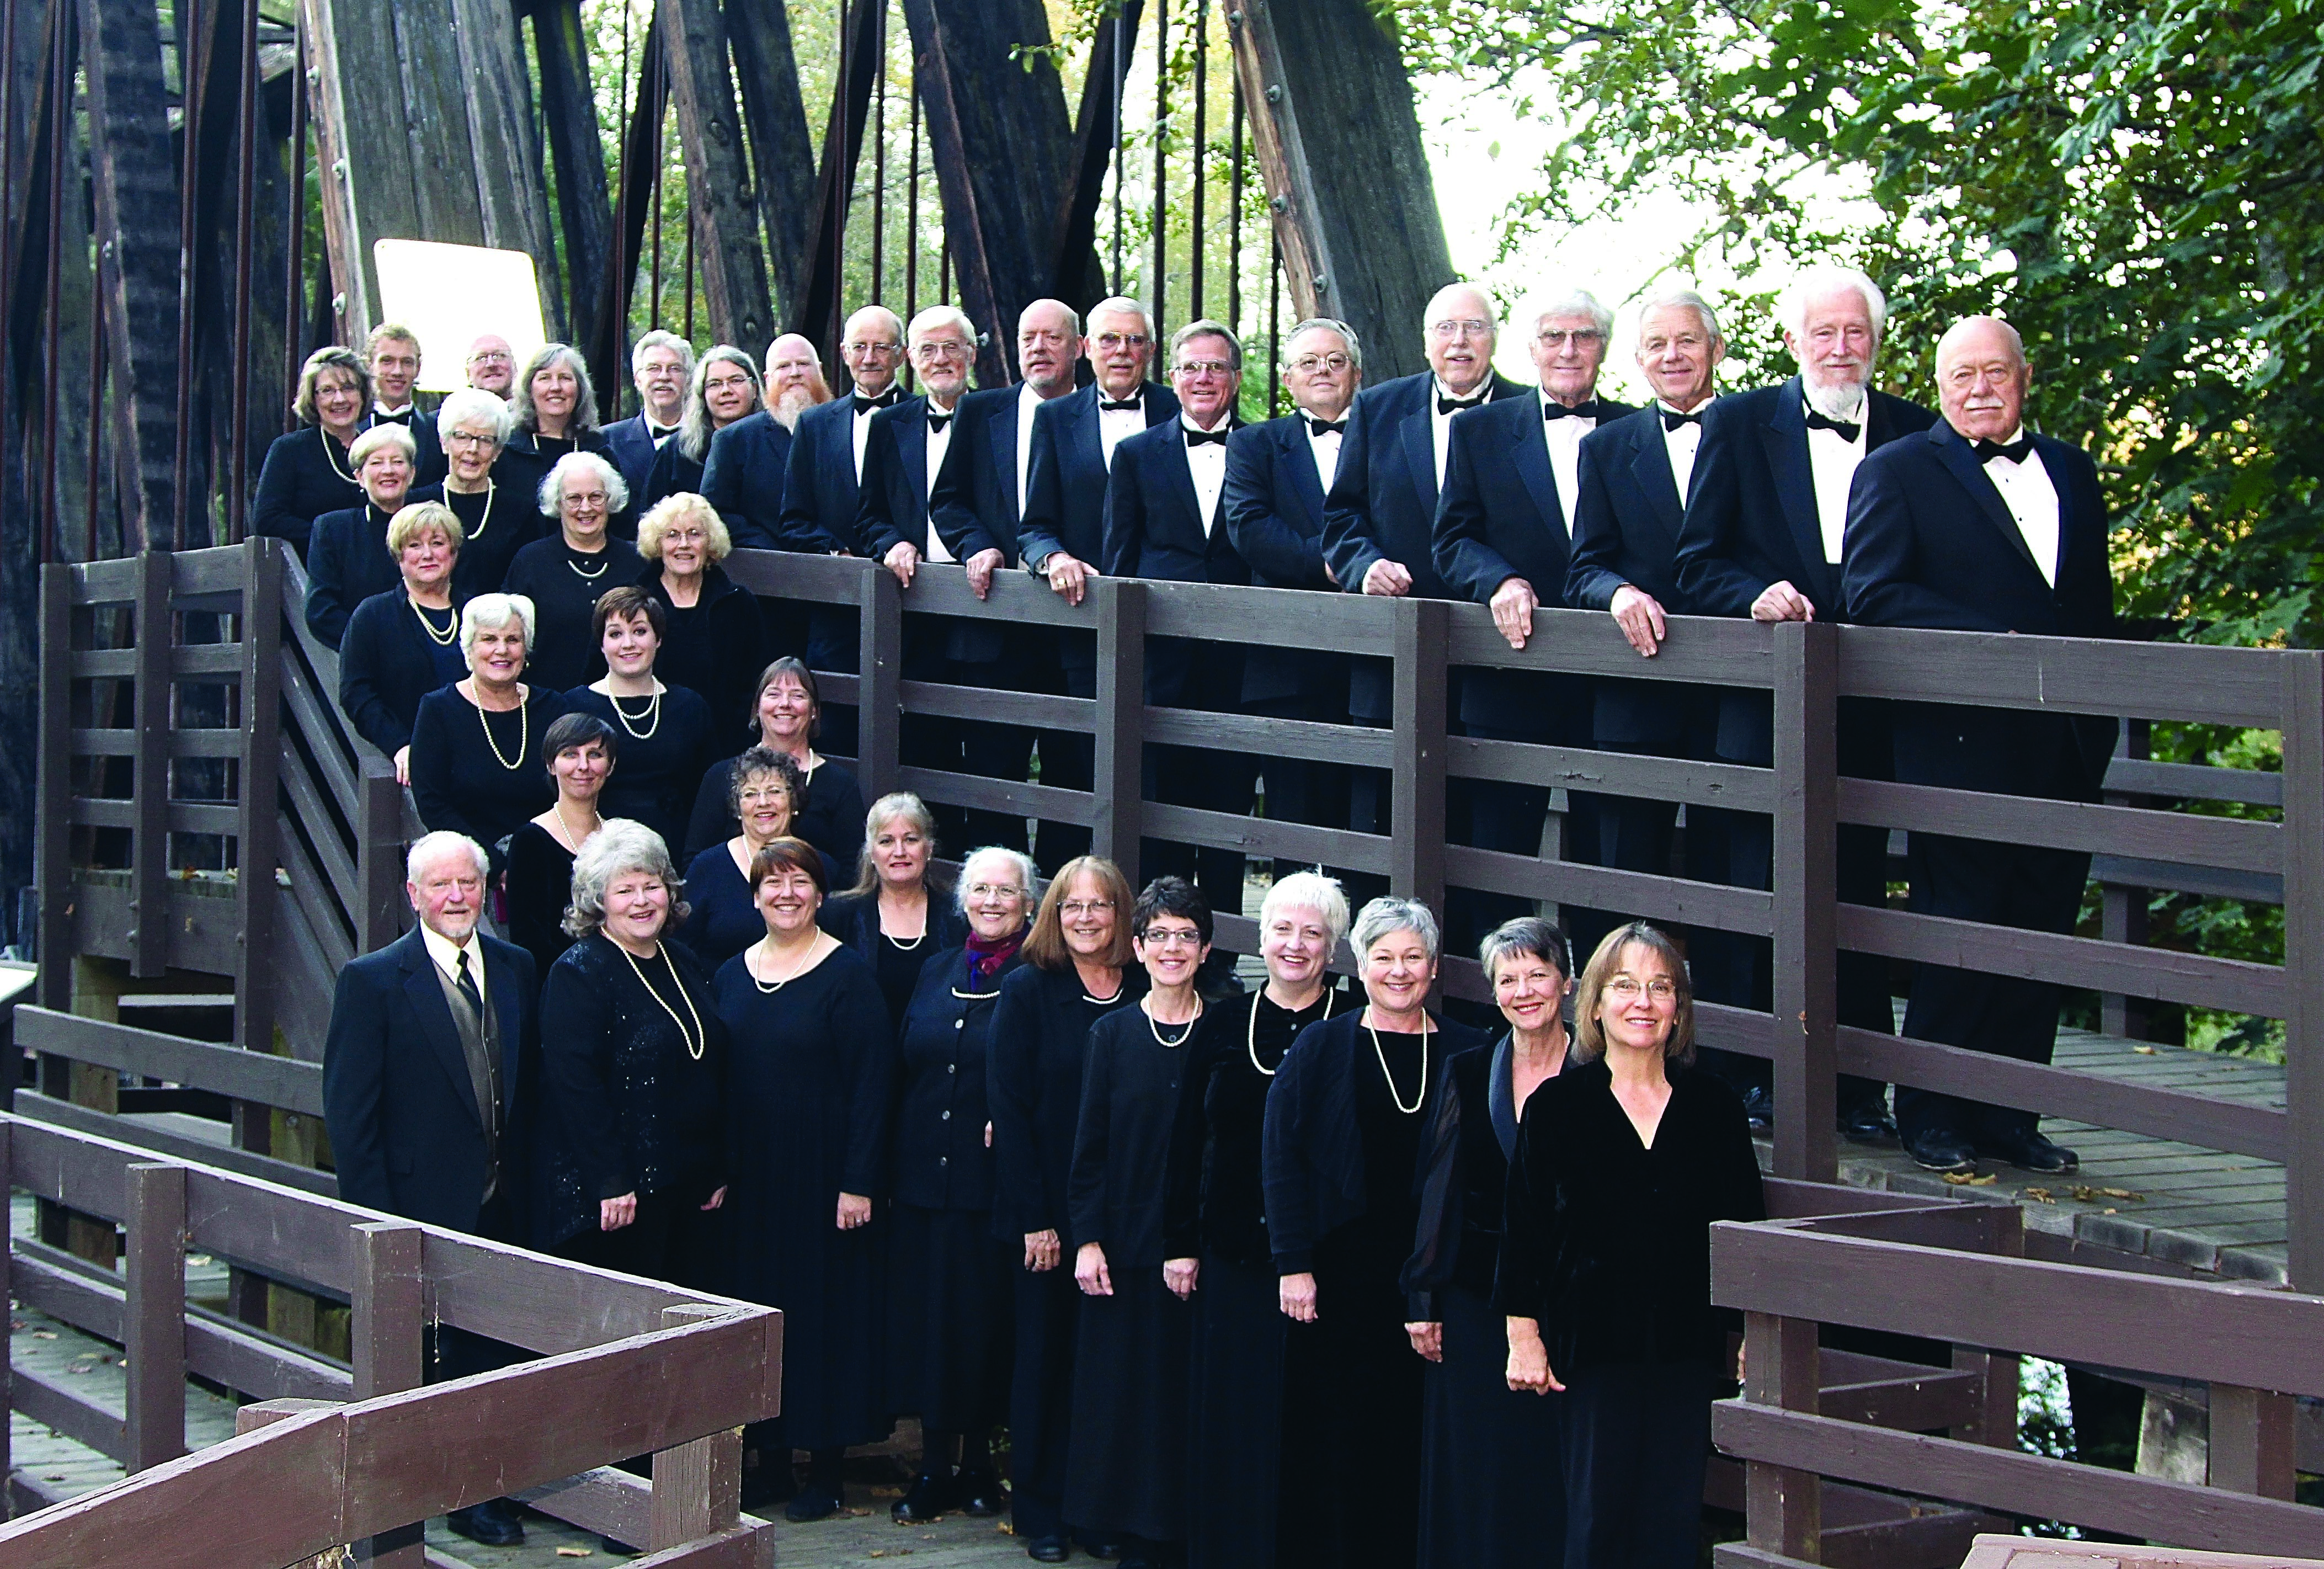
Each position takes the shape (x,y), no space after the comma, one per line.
(726,385)
(471,438)
(1625,989)
(1307,365)
(1158,938)
(942,351)
(995,890)
(1580,338)
(1203,368)
(766,795)
(1122,341)
(491,356)
(1465,327)
(1079,909)
(871,350)
(584,498)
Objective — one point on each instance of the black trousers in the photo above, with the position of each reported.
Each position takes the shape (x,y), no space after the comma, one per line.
(1041,1397)
(1636,1438)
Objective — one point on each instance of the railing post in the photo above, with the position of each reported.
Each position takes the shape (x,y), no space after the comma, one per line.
(1416,813)
(879,700)
(379,859)
(1783,1507)
(387,1327)
(2251,1444)
(1995,1422)
(261,1414)
(697,1486)
(149,843)
(52,852)
(255,892)
(1806,889)
(1117,798)
(8,1294)
(153,1316)
(2303,965)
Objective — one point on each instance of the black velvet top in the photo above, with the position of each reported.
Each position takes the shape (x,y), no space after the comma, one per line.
(306,475)
(941,1161)
(526,461)
(1131,1093)
(1040,1043)
(855,921)
(1464,1171)
(499,522)
(563,585)
(717,646)
(1608,1240)
(831,819)
(387,664)
(631,1108)
(482,774)
(660,749)
(540,886)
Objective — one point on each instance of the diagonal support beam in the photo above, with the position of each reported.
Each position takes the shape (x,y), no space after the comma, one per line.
(719,200)
(820,314)
(1076,276)
(760,34)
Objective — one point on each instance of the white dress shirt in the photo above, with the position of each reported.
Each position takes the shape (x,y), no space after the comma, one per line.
(863,432)
(1028,400)
(939,443)
(1564,437)
(446,954)
(1682,445)
(2032,500)
(1208,465)
(1440,425)
(1832,461)
(1325,449)
(1114,424)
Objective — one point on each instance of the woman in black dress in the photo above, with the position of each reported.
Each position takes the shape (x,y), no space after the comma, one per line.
(566,574)
(896,915)
(1621,1166)
(765,793)
(554,409)
(307,473)
(630,1156)
(1077,971)
(347,557)
(581,750)
(949,1277)
(1485,1448)
(473,427)
(405,643)
(724,388)
(789,715)
(1127,1477)
(1341,1144)
(665,729)
(716,639)
(476,744)
(1217,1211)
(810,1091)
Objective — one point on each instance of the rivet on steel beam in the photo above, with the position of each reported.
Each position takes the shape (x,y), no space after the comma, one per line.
(1275,93)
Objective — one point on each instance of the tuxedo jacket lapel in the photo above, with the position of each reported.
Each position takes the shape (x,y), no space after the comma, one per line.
(1959,457)
(1294,452)
(911,436)
(1650,467)
(1178,479)
(1420,448)
(1785,435)
(1530,454)
(1000,434)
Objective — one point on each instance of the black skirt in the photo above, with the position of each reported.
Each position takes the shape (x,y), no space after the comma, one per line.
(1237,1417)
(1492,1492)
(950,1318)
(1127,1474)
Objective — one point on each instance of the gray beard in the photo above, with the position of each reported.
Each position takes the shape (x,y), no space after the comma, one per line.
(1834,403)
(791,406)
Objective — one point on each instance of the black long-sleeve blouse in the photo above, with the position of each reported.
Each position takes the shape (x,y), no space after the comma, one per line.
(564,585)
(388,663)
(831,819)
(1132,1096)
(482,774)
(306,475)
(855,919)
(1464,1172)
(1607,1240)
(346,563)
(661,748)
(941,1161)
(633,1057)
(716,646)
(498,523)
(1040,1043)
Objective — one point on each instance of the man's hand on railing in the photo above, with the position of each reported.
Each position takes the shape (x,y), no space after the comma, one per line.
(855,1211)
(1388,579)
(403,765)
(981,567)
(1068,575)
(903,560)
(613,1214)
(1781,601)
(1529,1371)
(1514,602)
(1639,614)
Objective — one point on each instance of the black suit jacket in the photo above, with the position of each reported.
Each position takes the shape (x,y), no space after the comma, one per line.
(1065,487)
(820,490)
(977,488)
(631,448)
(397,1098)
(386,665)
(743,477)
(1153,529)
(893,508)
(1626,524)
(1274,513)
(305,476)
(1931,543)
(346,563)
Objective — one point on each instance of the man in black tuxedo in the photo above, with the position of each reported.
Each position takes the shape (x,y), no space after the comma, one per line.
(427,1075)
(910,447)
(742,476)
(1634,474)
(393,350)
(1977,525)
(660,364)
(1061,535)
(1277,474)
(1503,537)
(1762,538)
(1165,517)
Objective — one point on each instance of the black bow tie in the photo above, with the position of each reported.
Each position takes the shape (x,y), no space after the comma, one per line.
(1848,429)
(1673,419)
(1326,426)
(938,421)
(403,418)
(660,433)
(1205,438)
(1585,409)
(2016,451)
(1133,402)
(1445,405)
(864,405)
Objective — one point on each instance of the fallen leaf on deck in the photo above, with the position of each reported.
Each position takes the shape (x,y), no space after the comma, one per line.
(2038,1194)
(877,1553)
(1963,1179)
(573,1552)
(44,1334)
(82,1368)
(2144,1051)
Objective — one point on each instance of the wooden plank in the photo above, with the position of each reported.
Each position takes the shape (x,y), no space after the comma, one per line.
(751,1546)
(1117,803)
(541,1303)
(1785,1507)
(2250,1442)
(382,915)
(64,1115)
(718,200)
(781,153)
(386,1335)
(1264,837)
(1806,892)
(213,743)
(2182,682)
(1270,738)
(314,911)
(1655,779)
(1700,651)
(153,1316)
(880,634)
(55,1404)
(2194,781)
(52,808)
(1332,118)
(149,865)
(175,817)
(1644,895)
(2237,843)
(1017,598)
(201,928)
(2031,1484)
(1275,617)
(2302,1008)
(235,1071)
(256,840)
(991,706)
(1418,720)
(310,809)
(1049,803)
(611,1502)
(697,1486)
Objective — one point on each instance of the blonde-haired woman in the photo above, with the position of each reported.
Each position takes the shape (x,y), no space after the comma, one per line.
(716,641)
(476,763)
(307,473)
(404,643)
(348,559)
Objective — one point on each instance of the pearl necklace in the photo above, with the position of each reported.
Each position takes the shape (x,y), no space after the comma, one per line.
(523,734)
(486,521)
(442,639)
(331,453)
(766,955)
(1155,1025)
(565,829)
(1251,1034)
(651,715)
(699,1041)
(1381,1052)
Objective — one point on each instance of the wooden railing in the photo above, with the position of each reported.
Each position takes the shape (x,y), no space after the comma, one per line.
(371,1453)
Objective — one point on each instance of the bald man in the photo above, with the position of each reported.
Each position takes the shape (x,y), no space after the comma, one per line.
(1977,525)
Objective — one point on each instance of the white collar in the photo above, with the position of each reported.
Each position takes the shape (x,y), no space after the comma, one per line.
(1226,418)
(446,953)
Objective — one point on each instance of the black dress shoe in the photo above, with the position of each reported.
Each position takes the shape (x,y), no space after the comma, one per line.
(1050,1549)
(1937,1150)
(814,1502)
(1759,1108)
(617,1547)
(930,1498)
(1867,1124)
(492,1524)
(2030,1151)
(1105,1549)
(979,1494)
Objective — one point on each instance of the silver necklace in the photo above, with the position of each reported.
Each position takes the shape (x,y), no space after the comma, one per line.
(1155,1025)
(1251,1033)
(1382,1052)
(587,576)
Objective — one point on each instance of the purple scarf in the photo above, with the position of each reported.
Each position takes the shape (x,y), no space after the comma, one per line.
(987,954)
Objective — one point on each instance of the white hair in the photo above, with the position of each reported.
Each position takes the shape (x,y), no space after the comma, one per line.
(1388,914)
(1123,305)
(937,316)
(1346,335)
(430,848)
(655,340)
(1572,302)
(490,612)
(475,404)
(552,488)
(1308,890)
(895,322)
(1437,301)
(1682,300)
(1027,875)
(1825,278)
